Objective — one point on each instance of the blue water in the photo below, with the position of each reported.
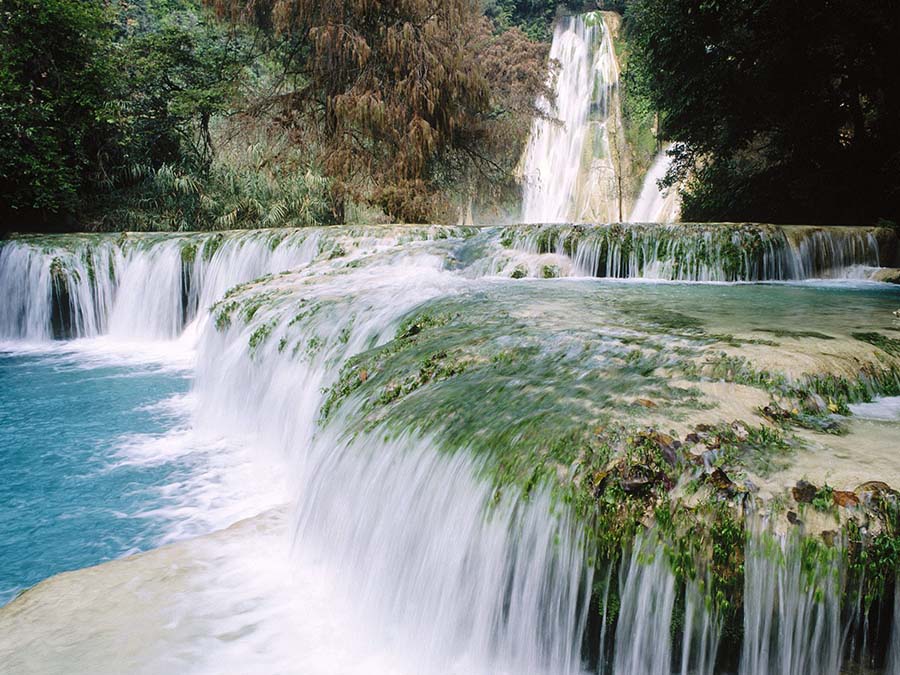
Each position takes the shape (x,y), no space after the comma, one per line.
(67,500)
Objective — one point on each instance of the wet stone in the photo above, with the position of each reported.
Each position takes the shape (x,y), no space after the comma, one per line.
(804,492)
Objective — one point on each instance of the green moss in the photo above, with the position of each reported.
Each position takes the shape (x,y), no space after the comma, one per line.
(260,335)
(222,312)
(874,558)
(882,342)
(824,499)
(189,252)
(796,334)
(211,245)
(87,258)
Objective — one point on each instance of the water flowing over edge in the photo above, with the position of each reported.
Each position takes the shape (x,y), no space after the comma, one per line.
(571,162)
(422,538)
(703,252)
(152,287)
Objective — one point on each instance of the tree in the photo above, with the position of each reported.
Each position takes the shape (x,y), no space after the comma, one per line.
(175,78)
(782,111)
(392,87)
(55,75)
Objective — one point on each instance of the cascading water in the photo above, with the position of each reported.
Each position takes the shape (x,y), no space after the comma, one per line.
(571,163)
(475,587)
(149,287)
(453,574)
(792,615)
(655,205)
(696,252)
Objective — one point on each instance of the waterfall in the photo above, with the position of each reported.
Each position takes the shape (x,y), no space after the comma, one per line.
(792,611)
(644,635)
(475,579)
(477,586)
(137,287)
(893,665)
(643,639)
(152,287)
(654,205)
(570,165)
(700,252)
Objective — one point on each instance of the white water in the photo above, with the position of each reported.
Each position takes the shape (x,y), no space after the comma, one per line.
(138,290)
(400,562)
(555,162)
(885,408)
(698,252)
(647,590)
(791,625)
(655,205)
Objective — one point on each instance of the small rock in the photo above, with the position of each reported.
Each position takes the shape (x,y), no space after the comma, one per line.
(740,431)
(667,445)
(775,413)
(692,438)
(876,487)
(601,480)
(720,480)
(703,428)
(817,402)
(635,485)
(845,499)
(639,480)
(804,492)
(828,537)
(645,402)
(695,459)
(793,519)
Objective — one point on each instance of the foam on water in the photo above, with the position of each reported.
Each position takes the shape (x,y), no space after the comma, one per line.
(394,554)
(886,408)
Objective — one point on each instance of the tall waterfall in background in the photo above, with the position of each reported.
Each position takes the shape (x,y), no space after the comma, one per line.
(572,157)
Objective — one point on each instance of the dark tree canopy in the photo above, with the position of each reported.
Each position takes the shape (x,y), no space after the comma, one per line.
(54,79)
(784,111)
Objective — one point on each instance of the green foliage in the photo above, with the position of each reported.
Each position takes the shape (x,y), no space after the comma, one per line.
(884,343)
(261,334)
(533,17)
(119,120)
(175,79)
(782,112)
(824,499)
(55,78)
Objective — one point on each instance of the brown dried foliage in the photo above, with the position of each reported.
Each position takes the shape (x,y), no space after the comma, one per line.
(405,95)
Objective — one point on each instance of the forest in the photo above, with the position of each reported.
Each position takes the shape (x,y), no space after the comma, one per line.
(183,115)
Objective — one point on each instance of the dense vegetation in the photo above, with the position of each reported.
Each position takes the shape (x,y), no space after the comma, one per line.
(180,115)
(783,111)
(163,114)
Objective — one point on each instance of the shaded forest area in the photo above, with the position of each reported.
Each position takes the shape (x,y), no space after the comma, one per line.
(783,111)
(185,115)
(174,114)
